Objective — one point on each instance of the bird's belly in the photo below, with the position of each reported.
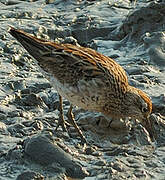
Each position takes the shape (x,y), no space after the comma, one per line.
(82,95)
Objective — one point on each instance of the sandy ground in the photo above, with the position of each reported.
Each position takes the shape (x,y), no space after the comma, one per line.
(30,148)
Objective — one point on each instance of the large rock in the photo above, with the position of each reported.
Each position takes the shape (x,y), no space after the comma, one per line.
(155,43)
(43,151)
(146,19)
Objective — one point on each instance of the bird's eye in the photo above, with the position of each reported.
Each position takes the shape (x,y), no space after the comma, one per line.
(144,109)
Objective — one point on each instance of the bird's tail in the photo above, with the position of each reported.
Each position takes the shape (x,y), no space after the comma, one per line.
(37,48)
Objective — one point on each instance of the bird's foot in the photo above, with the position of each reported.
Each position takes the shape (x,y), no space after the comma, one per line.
(109,124)
(62,123)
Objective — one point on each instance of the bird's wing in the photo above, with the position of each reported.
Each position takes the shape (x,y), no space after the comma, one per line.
(67,61)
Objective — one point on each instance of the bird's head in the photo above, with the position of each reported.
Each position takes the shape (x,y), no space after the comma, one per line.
(139,106)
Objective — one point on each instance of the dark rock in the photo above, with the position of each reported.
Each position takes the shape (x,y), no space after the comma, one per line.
(146,19)
(38,87)
(30,175)
(155,43)
(85,35)
(33,100)
(3,117)
(25,91)
(15,155)
(100,163)
(136,69)
(16,128)
(159,104)
(15,85)
(44,152)
(15,113)
(89,150)
(49,1)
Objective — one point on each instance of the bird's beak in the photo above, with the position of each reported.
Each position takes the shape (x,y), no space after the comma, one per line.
(149,125)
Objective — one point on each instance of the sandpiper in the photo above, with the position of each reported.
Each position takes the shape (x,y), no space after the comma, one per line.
(87,79)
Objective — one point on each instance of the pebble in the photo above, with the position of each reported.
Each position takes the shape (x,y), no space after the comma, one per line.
(30,175)
(38,125)
(100,163)
(15,155)
(118,166)
(3,128)
(141,174)
(89,150)
(16,128)
(32,100)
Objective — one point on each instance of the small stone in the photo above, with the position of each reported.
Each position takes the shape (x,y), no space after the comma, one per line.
(140,173)
(25,91)
(118,166)
(112,171)
(89,150)
(30,175)
(16,128)
(49,1)
(32,100)
(14,154)
(38,125)
(151,164)
(3,117)
(3,128)
(96,153)
(100,163)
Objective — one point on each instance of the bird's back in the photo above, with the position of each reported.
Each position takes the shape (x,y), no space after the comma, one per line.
(82,75)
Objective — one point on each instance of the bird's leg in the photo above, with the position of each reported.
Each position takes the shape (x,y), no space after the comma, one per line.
(109,124)
(72,121)
(61,121)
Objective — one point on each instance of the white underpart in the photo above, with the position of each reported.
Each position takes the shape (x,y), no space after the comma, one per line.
(84,95)
(80,95)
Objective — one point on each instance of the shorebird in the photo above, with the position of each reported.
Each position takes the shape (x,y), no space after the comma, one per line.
(88,79)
